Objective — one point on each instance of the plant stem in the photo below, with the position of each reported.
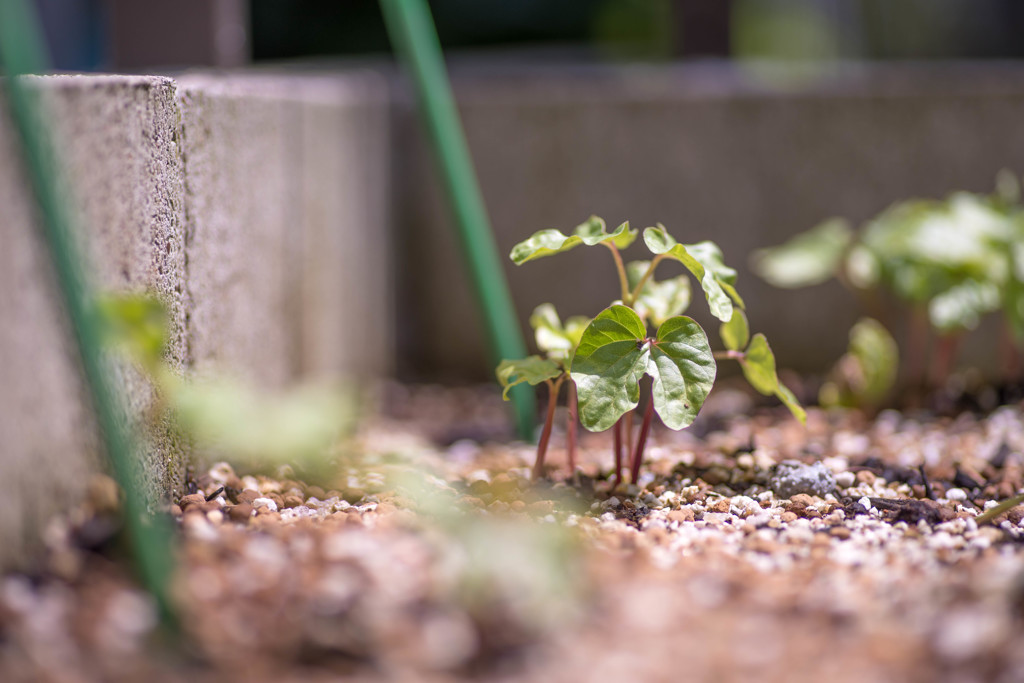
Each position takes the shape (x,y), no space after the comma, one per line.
(647,276)
(627,299)
(917,346)
(729,355)
(641,441)
(1010,353)
(571,426)
(617,440)
(627,427)
(545,435)
(944,359)
(992,513)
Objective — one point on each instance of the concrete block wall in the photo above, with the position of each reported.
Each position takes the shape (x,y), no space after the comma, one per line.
(194,189)
(117,141)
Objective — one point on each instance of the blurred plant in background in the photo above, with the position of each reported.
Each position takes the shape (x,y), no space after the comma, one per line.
(949,262)
(224,418)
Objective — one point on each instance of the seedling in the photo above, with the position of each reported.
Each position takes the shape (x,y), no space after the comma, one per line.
(951,262)
(616,350)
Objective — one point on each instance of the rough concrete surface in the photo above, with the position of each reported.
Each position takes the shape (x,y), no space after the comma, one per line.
(116,140)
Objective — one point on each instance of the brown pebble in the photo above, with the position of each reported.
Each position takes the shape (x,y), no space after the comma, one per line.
(504,486)
(470,501)
(517,506)
(278,500)
(174,510)
(720,505)
(541,507)
(191,499)
(479,487)
(788,517)
(801,500)
(264,510)
(681,515)
(315,492)
(866,477)
(239,513)
(1006,489)
(292,501)
(840,532)
(248,496)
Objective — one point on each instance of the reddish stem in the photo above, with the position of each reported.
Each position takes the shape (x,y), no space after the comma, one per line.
(545,435)
(1010,354)
(945,358)
(641,441)
(571,427)
(917,347)
(617,439)
(627,427)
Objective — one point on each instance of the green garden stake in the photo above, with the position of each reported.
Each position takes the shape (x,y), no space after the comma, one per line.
(22,52)
(415,40)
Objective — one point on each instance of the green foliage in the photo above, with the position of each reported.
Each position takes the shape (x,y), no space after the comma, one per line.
(658,301)
(758,365)
(533,370)
(808,259)
(134,324)
(958,259)
(553,338)
(735,333)
(866,373)
(615,354)
(238,422)
(589,233)
(704,260)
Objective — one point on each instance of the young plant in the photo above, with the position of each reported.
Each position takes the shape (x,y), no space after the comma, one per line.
(951,262)
(558,342)
(616,350)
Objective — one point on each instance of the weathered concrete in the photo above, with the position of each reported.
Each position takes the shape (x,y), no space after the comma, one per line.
(117,142)
(704,152)
(348,280)
(288,246)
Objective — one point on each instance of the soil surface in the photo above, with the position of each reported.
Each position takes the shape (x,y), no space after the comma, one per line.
(753,549)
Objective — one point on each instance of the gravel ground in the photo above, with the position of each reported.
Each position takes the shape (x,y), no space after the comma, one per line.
(846,551)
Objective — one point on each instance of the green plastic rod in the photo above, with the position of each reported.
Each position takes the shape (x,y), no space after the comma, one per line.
(415,40)
(22,52)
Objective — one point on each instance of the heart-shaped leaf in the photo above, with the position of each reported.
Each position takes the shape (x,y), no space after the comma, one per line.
(961,306)
(867,371)
(807,259)
(532,370)
(658,301)
(615,353)
(550,242)
(704,260)
(735,333)
(758,365)
(553,338)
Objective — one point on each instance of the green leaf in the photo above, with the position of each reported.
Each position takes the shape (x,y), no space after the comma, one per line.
(867,371)
(704,260)
(615,353)
(550,242)
(810,258)
(758,365)
(136,324)
(554,339)
(241,423)
(683,369)
(961,306)
(789,400)
(532,370)
(735,333)
(658,301)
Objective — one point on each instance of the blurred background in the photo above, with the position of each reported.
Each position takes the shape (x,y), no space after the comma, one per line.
(740,121)
(116,35)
